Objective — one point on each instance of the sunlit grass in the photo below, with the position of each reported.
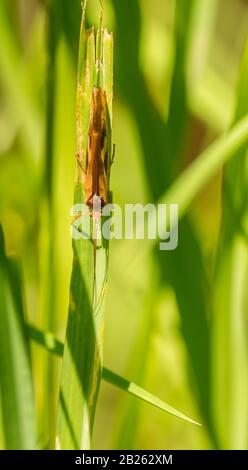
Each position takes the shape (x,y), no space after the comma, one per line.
(175,323)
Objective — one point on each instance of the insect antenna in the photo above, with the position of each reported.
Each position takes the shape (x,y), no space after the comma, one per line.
(83,5)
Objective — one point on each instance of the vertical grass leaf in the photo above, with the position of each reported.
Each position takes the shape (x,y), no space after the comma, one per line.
(16,388)
(82,362)
(229,322)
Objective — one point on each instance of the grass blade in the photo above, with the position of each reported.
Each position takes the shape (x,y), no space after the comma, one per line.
(178,111)
(82,363)
(208,163)
(229,322)
(46,339)
(16,386)
(142,394)
(51,344)
(48,211)
(128,421)
(23,109)
(163,141)
(192,180)
(155,139)
(182,192)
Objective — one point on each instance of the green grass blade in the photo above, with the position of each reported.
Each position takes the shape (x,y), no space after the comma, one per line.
(16,388)
(128,421)
(46,339)
(163,143)
(186,283)
(142,394)
(156,141)
(82,363)
(196,176)
(186,273)
(206,165)
(48,210)
(229,322)
(191,295)
(178,111)
(133,88)
(205,100)
(23,109)
(202,32)
(51,344)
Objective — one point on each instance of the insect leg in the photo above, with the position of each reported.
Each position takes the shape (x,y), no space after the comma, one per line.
(79,161)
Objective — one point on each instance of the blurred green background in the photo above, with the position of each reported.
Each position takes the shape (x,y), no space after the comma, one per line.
(175,87)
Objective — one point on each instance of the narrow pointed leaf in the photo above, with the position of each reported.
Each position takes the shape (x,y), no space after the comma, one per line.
(16,388)
(54,346)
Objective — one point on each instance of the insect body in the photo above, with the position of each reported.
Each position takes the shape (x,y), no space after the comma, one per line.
(97,161)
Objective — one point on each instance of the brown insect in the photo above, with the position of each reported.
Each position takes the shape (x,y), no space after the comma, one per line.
(98,163)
